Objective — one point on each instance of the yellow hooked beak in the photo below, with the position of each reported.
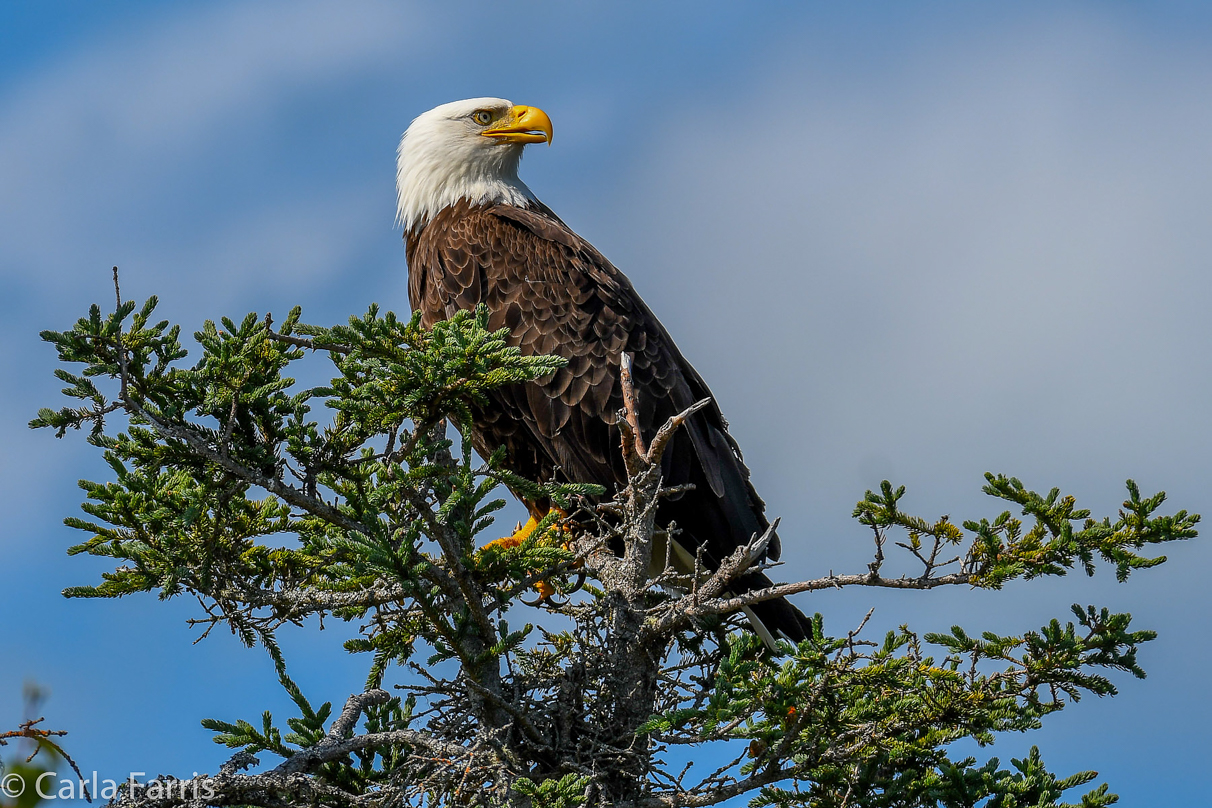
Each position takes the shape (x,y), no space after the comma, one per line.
(522,124)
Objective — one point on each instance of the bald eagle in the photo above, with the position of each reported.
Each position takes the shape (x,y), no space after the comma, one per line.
(474,233)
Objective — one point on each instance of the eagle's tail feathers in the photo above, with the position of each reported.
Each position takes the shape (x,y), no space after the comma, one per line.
(777,617)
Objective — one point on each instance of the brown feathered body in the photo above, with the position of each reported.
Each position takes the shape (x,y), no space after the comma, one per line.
(558,295)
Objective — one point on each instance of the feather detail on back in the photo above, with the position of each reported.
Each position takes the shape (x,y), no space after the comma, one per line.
(559,295)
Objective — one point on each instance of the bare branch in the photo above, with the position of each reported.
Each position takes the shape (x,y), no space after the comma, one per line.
(631,405)
(724,605)
(336,745)
(667,430)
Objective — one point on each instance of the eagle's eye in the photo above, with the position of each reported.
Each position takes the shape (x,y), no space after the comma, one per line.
(483,117)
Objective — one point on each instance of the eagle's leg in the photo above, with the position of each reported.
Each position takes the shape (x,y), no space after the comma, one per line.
(521,534)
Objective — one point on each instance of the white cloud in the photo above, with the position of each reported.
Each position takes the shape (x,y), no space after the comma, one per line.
(76,143)
(992,252)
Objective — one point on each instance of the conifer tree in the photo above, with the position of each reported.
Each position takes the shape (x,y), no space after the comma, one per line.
(361,500)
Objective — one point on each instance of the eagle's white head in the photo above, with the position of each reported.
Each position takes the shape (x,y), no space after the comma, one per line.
(465,150)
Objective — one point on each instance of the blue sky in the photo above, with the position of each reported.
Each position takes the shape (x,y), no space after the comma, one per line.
(907,241)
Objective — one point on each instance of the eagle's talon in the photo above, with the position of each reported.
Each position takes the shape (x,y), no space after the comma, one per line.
(520,534)
(545,590)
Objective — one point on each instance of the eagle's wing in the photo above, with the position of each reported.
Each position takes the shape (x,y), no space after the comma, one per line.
(558,295)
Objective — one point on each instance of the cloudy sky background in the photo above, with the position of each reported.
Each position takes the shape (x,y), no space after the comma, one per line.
(915,244)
